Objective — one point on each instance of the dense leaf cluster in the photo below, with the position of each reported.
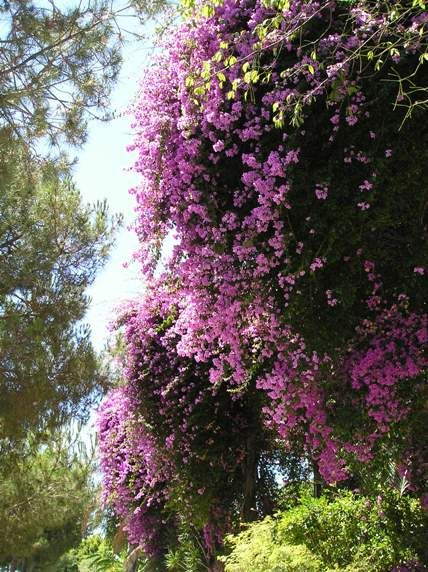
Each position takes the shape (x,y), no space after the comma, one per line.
(350,533)
(51,248)
(46,503)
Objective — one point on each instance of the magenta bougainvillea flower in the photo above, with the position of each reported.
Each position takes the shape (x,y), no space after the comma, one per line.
(297,266)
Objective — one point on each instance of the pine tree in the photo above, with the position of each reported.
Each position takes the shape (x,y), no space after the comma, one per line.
(51,246)
(58,65)
(46,503)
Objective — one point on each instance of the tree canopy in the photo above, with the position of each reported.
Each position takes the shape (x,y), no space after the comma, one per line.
(58,64)
(46,503)
(51,247)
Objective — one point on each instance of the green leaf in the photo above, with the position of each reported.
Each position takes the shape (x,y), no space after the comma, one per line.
(254,76)
(207,11)
(378,64)
(218,56)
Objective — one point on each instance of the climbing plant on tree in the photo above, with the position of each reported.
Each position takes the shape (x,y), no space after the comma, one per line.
(179,455)
(277,142)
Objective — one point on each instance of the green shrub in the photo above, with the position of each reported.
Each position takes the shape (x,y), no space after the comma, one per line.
(349,533)
(188,555)
(258,549)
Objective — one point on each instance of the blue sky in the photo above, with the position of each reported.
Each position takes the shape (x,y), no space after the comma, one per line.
(101,173)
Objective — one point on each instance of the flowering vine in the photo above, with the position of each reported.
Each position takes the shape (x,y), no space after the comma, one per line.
(297,280)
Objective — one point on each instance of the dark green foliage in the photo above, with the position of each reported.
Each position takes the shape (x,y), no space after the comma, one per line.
(46,502)
(58,64)
(51,246)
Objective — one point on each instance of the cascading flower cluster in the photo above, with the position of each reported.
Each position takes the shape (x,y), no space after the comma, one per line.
(171,444)
(394,353)
(194,422)
(300,256)
(134,472)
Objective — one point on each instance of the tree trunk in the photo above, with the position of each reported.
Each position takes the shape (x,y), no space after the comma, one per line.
(27,565)
(217,567)
(249,512)
(131,563)
(317,480)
